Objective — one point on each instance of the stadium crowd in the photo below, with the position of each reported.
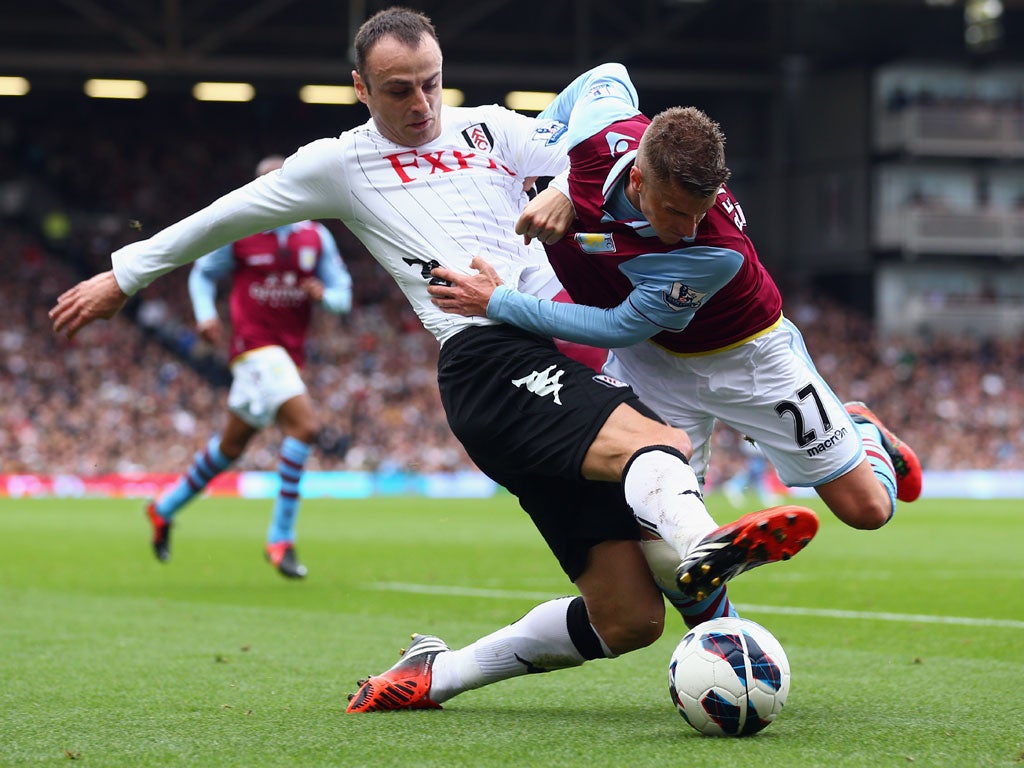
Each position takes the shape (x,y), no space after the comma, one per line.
(116,399)
(138,393)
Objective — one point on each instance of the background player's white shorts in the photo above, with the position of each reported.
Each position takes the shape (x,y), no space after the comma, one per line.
(767,389)
(262,380)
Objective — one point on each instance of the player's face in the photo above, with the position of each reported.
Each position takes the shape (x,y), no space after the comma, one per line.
(402,89)
(673,213)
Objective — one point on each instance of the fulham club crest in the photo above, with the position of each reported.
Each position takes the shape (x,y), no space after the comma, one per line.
(478,137)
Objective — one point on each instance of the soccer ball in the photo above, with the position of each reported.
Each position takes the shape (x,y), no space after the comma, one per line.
(729,677)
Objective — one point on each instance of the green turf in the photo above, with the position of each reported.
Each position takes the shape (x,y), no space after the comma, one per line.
(108,658)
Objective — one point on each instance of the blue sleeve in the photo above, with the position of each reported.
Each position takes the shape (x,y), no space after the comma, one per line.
(616,327)
(668,289)
(594,100)
(332,272)
(202,281)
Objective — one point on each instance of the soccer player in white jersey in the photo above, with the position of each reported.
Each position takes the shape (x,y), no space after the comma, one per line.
(276,278)
(659,252)
(422,186)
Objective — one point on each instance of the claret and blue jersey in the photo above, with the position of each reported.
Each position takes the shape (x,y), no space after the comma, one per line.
(268,303)
(627,285)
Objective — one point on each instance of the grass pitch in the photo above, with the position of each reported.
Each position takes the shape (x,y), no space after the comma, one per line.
(906,644)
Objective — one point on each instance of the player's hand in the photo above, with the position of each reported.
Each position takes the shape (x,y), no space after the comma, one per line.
(313,288)
(99,297)
(211,331)
(465,294)
(547,217)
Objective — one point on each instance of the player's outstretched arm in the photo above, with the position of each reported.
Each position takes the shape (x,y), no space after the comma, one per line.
(465,294)
(99,297)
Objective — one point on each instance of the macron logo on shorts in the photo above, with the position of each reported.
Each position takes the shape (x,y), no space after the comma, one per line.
(542,383)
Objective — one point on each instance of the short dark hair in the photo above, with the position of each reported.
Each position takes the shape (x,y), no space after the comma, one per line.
(685,147)
(404,24)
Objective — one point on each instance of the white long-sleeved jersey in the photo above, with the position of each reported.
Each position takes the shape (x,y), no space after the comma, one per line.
(414,208)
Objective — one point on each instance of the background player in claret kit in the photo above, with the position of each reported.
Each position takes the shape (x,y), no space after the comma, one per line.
(422,185)
(659,252)
(276,278)
(754,475)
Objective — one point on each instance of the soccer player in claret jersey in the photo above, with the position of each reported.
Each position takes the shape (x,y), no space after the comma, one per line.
(276,278)
(424,185)
(660,253)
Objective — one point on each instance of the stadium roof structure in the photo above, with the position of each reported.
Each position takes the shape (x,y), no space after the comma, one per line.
(668,44)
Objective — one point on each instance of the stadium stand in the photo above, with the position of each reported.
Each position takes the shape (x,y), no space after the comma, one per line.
(136,394)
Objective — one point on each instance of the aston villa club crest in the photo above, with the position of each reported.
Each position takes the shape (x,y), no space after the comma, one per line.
(307,258)
(595,242)
(478,137)
(683,297)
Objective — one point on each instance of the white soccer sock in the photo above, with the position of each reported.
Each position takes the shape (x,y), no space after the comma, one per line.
(663,492)
(541,641)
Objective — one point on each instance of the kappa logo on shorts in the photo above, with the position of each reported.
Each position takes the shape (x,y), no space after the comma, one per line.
(542,383)
(823,445)
(610,381)
(479,137)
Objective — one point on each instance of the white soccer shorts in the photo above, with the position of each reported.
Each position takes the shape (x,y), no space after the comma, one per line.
(263,379)
(767,389)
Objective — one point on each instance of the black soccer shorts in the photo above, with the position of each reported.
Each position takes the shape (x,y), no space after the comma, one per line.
(527,415)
